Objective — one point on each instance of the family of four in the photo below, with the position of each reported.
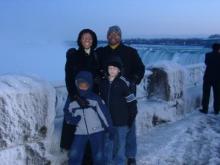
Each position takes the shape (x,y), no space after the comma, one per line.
(100,111)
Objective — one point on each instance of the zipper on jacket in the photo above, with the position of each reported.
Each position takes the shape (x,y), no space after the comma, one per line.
(85,121)
(109,90)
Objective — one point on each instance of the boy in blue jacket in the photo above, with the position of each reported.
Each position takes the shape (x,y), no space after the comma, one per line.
(91,122)
(121,104)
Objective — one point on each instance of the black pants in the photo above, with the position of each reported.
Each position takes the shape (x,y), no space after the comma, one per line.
(207,85)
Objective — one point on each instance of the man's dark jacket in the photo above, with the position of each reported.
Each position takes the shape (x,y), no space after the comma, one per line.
(212,61)
(133,67)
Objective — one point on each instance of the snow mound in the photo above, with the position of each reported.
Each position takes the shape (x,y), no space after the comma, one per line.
(27,111)
(167,81)
(193,140)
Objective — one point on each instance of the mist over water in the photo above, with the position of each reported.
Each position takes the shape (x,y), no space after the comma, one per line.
(47,59)
(183,55)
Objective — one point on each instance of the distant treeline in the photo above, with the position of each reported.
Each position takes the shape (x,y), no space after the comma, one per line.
(169,41)
(179,42)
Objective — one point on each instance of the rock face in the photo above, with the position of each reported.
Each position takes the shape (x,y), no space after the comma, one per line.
(27,111)
(158,85)
(166,82)
(172,91)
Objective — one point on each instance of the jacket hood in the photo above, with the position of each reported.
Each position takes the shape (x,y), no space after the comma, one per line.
(94,38)
(84,76)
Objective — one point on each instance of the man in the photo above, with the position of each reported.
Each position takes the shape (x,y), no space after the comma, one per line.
(212,79)
(132,69)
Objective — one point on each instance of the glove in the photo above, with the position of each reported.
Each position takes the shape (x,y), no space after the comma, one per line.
(83,103)
(71,119)
(131,121)
(111,132)
(132,87)
(132,113)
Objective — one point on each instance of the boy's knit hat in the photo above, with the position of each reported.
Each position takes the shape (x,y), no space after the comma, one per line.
(84,77)
(115,64)
(115,29)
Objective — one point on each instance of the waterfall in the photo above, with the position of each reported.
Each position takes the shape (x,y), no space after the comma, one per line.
(184,55)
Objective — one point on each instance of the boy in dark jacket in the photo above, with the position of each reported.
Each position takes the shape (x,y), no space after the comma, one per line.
(91,122)
(132,69)
(122,107)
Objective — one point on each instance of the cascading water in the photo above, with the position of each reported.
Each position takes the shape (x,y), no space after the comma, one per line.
(184,55)
(166,58)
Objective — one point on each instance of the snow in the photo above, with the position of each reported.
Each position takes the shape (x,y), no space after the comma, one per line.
(27,114)
(194,75)
(192,140)
(169,131)
(165,136)
(175,75)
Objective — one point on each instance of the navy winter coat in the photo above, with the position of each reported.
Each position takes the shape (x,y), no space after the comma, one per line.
(133,67)
(119,100)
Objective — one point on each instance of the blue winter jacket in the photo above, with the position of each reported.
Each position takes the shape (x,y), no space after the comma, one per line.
(93,119)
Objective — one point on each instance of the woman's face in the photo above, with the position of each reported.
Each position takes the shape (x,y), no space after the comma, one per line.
(86,40)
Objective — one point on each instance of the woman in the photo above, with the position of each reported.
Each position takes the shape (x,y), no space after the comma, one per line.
(82,59)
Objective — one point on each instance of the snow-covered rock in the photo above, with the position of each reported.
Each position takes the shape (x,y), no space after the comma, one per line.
(27,111)
(171,92)
(194,75)
(193,87)
(192,140)
(60,156)
(31,113)
(166,82)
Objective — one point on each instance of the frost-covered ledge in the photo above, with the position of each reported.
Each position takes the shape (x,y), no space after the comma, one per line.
(171,91)
(27,112)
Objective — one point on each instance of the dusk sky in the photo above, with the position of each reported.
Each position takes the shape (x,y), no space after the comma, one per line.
(63,19)
(32,32)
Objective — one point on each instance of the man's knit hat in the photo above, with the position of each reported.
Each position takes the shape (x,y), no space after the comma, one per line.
(115,29)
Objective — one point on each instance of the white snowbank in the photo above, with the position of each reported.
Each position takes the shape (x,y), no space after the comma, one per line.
(27,114)
(31,114)
(174,78)
(193,140)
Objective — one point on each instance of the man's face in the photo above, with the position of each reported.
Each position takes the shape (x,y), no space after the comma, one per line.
(114,38)
(86,40)
(113,71)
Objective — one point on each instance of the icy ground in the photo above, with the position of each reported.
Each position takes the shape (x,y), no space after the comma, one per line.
(194,140)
